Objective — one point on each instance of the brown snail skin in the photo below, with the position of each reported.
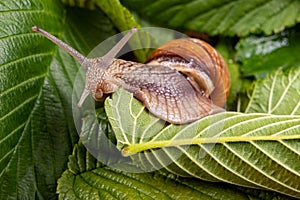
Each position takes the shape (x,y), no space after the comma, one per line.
(182,81)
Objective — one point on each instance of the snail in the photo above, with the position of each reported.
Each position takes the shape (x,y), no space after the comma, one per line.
(181,82)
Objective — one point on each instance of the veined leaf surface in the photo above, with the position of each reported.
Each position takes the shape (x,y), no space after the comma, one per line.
(86,178)
(260,150)
(222,16)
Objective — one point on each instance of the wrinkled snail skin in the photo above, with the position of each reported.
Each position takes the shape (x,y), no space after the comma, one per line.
(164,91)
(182,81)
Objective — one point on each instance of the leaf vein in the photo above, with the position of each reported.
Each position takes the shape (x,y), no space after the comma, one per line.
(134,121)
(289,147)
(161,132)
(297,107)
(119,119)
(255,167)
(251,98)
(251,165)
(272,92)
(157,157)
(31,11)
(218,122)
(5,156)
(264,150)
(11,133)
(209,152)
(266,126)
(146,129)
(19,106)
(285,91)
(258,117)
(23,59)
(123,182)
(199,165)
(24,83)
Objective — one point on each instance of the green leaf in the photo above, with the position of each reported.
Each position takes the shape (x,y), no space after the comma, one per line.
(37,131)
(226,49)
(253,150)
(121,18)
(28,164)
(260,55)
(88,179)
(124,20)
(220,17)
(81,3)
(118,14)
(281,94)
(97,136)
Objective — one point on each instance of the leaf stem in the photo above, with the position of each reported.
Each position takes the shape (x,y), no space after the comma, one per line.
(136,148)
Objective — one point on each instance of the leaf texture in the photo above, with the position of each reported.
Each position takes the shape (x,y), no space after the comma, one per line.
(37,131)
(259,150)
(88,179)
(281,91)
(224,17)
(261,54)
(23,71)
(121,18)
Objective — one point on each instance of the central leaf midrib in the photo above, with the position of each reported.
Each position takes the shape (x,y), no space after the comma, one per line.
(136,148)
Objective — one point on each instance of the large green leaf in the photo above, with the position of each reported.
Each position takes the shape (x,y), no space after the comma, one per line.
(25,151)
(88,179)
(37,131)
(220,17)
(253,150)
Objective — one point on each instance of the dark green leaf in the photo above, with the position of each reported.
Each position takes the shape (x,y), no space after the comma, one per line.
(120,17)
(226,49)
(37,131)
(260,55)
(97,136)
(90,4)
(220,17)
(83,182)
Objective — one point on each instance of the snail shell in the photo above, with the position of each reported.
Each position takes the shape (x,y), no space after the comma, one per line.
(182,81)
(203,66)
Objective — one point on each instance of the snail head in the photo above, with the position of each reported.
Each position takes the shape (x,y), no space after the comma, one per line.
(95,67)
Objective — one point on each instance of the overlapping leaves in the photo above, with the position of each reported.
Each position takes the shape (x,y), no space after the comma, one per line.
(213,17)
(121,18)
(221,17)
(88,179)
(36,126)
(37,131)
(28,163)
(258,149)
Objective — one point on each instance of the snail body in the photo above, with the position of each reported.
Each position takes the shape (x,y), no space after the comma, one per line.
(182,81)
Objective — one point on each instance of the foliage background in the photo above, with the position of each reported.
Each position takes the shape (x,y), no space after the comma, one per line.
(37,132)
